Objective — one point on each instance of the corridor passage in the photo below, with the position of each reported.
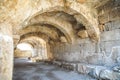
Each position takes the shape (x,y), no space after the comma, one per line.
(26,70)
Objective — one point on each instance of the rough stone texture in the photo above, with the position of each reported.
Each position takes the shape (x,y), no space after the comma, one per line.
(100,72)
(106,51)
(83,34)
(63,39)
(53,28)
(95,72)
(42,71)
(109,75)
(18,17)
(116,68)
(6,51)
(85,68)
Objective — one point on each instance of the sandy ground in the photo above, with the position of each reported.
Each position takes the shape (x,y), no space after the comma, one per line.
(26,70)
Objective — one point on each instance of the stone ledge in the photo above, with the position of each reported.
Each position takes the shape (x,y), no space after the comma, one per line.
(95,71)
(66,65)
(85,68)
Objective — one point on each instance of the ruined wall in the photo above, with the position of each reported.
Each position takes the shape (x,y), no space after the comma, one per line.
(109,18)
(104,52)
(80,51)
(6,51)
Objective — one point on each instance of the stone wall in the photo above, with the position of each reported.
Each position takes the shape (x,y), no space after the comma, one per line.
(106,51)
(81,51)
(6,51)
(85,51)
(109,18)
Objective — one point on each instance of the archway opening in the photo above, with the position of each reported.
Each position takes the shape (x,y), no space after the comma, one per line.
(23,50)
(32,48)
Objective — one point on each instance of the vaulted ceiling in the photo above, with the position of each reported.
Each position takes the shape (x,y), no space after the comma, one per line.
(56,20)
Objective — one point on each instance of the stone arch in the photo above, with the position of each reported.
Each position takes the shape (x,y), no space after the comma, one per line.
(27,35)
(34,40)
(80,12)
(60,24)
(28,38)
(40,44)
(43,29)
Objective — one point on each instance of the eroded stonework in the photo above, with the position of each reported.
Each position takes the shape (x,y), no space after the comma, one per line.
(80,35)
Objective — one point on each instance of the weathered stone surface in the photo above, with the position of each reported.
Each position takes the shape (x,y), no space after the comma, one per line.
(116,69)
(109,12)
(63,39)
(85,68)
(69,66)
(81,1)
(66,65)
(118,59)
(100,72)
(108,75)
(83,34)
(57,63)
(96,59)
(42,71)
(106,36)
(52,28)
(96,71)
(6,51)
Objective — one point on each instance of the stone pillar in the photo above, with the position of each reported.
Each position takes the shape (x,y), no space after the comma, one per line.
(6,51)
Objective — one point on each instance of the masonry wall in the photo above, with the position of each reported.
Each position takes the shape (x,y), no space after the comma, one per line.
(6,51)
(104,52)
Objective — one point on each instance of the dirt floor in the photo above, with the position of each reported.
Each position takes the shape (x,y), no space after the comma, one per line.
(26,70)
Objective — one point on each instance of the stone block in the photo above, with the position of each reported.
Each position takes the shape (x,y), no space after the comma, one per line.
(81,1)
(57,63)
(101,72)
(95,72)
(83,34)
(69,66)
(106,74)
(116,68)
(85,68)
(96,59)
(110,35)
(109,75)
(63,39)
